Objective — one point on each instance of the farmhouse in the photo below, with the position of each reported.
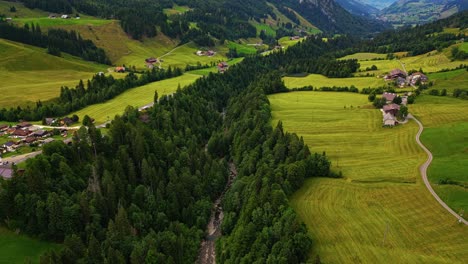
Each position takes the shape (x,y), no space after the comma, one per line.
(65,16)
(389,119)
(41,134)
(29,140)
(210,53)
(150,62)
(120,69)
(200,53)
(416,77)
(4,127)
(389,97)
(21,133)
(23,125)
(222,67)
(394,74)
(9,146)
(49,121)
(391,108)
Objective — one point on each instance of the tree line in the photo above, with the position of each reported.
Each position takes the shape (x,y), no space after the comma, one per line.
(55,41)
(97,90)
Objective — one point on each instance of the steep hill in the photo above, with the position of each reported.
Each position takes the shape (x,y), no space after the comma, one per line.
(379,4)
(404,12)
(358,7)
(330,17)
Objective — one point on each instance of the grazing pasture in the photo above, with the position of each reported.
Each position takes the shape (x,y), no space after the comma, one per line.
(380,212)
(136,97)
(30,74)
(19,249)
(317,80)
(364,56)
(449,80)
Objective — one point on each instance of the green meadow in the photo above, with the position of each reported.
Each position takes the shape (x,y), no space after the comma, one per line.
(363,56)
(46,22)
(446,135)
(449,80)
(136,97)
(380,212)
(19,249)
(21,11)
(317,80)
(31,74)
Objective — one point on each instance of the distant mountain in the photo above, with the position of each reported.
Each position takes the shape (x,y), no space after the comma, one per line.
(404,12)
(357,7)
(330,17)
(379,4)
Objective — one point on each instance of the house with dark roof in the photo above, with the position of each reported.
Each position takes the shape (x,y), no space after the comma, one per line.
(9,146)
(21,133)
(4,127)
(391,108)
(40,133)
(416,77)
(23,125)
(394,74)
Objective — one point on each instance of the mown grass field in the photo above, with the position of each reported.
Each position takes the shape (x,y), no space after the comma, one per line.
(365,56)
(19,249)
(317,80)
(450,80)
(430,62)
(446,135)
(45,22)
(30,74)
(136,97)
(380,212)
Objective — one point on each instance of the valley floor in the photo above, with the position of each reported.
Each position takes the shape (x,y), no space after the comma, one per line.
(380,211)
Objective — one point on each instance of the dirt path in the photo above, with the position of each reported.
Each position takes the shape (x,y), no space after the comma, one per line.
(423,170)
(207,253)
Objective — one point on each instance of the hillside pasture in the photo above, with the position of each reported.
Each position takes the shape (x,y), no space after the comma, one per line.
(21,10)
(380,212)
(364,56)
(430,62)
(449,80)
(176,10)
(30,74)
(136,97)
(19,249)
(317,81)
(45,22)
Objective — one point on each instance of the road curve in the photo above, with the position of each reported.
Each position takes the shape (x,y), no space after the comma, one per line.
(423,170)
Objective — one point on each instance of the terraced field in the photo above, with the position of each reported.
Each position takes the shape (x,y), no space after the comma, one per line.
(317,80)
(380,212)
(136,97)
(31,74)
(18,249)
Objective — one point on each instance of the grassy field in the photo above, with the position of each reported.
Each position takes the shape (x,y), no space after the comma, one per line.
(318,80)
(46,22)
(30,74)
(446,133)
(21,11)
(365,56)
(449,80)
(430,62)
(135,97)
(380,212)
(176,9)
(19,249)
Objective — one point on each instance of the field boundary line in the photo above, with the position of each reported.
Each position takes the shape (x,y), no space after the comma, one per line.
(423,170)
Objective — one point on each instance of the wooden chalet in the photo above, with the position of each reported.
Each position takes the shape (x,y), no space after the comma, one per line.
(391,108)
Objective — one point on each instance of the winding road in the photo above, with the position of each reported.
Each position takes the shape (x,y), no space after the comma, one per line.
(423,170)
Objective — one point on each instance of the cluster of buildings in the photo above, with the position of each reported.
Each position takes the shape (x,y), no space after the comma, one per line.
(391,109)
(402,79)
(209,53)
(23,134)
(54,16)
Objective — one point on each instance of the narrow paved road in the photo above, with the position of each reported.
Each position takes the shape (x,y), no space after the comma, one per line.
(423,170)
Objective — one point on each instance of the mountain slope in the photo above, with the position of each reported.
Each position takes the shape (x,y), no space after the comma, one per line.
(422,11)
(379,4)
(357,7)
(330,17)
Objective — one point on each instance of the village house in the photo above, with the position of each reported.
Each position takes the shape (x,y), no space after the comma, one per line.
(66,121)
(222,67)
(400,82)
(21,133)
(210,53)
(49,121)
(23,125)
(391,108)
(200,53)
(389,114)
(389,119)
(29,140)
(4,127)
(120,69)
(395,74)
(416,77)
(40,134)
(9,146)
(389,97)
(47,141)
(65,17)
(150,62)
